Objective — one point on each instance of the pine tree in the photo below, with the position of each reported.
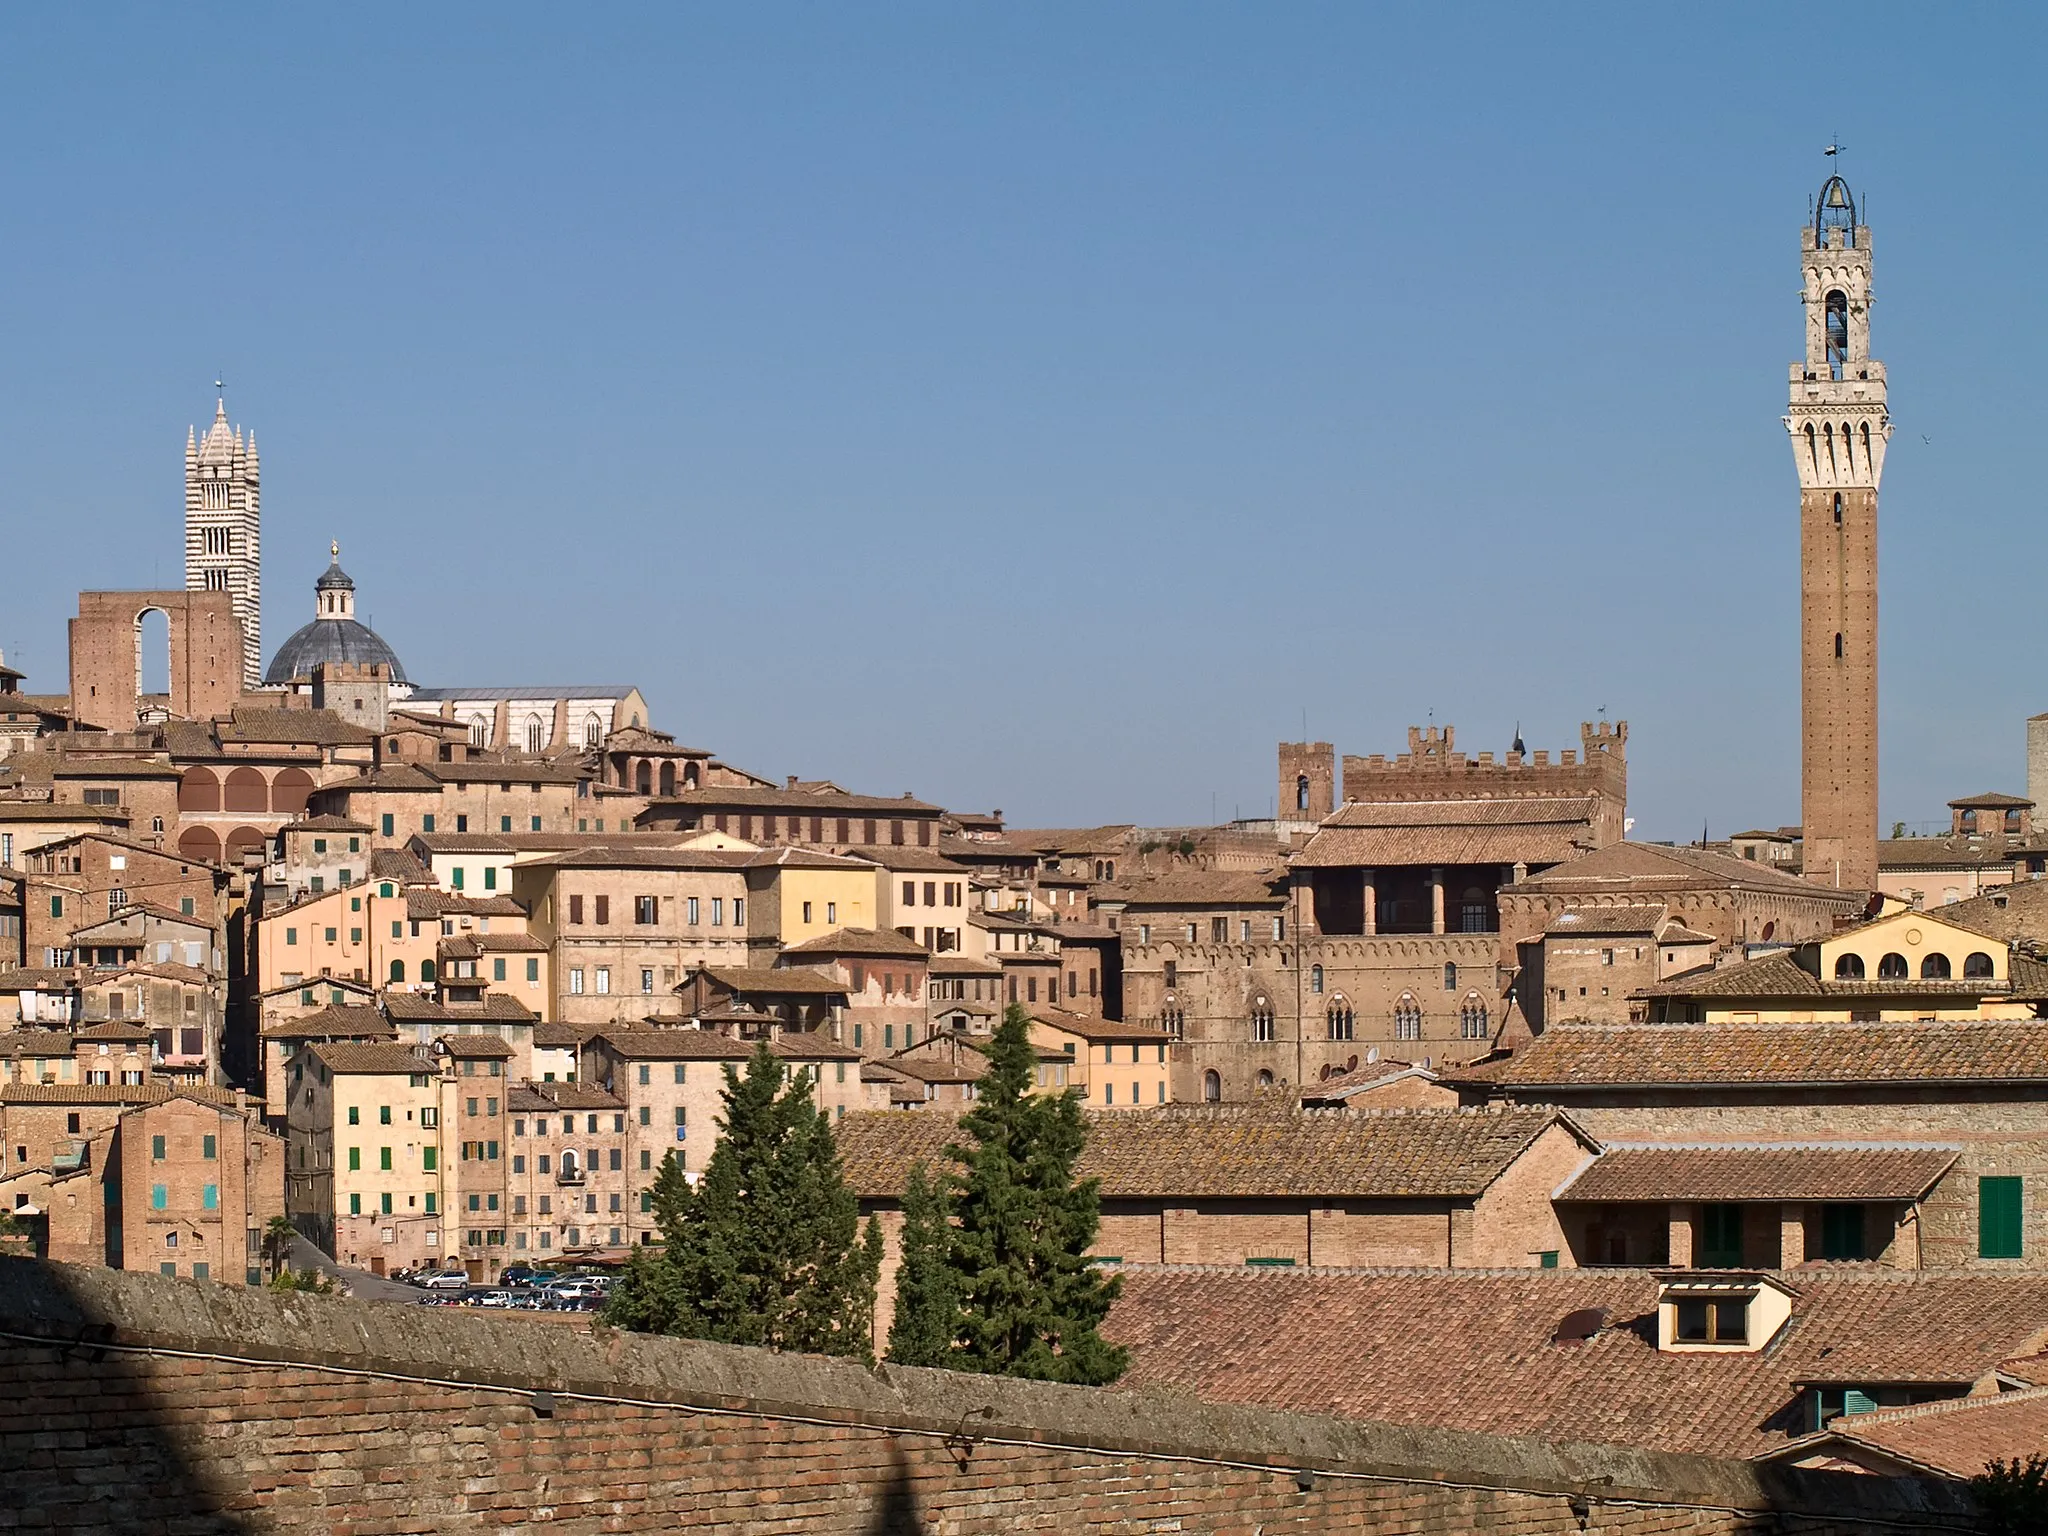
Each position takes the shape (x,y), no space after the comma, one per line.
(927,1321)
(767,1247)
(1030,1302)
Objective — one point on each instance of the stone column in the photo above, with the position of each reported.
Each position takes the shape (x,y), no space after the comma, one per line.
(1372,902)
(1436,901)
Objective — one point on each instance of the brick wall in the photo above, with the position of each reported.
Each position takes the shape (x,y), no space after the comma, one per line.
(314,1413)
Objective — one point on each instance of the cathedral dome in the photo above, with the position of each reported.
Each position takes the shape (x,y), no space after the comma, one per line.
(334,635)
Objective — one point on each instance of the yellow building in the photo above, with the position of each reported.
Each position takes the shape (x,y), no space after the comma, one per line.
(363,1169)
(800,894)
(1903,965)
(1113,1066)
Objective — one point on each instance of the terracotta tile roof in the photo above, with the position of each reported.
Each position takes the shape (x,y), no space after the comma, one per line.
(1678,933)
(651,855)
(833,802)
(1992,800)
(1773,976)
(473,1047)
(370,1058)
(2009,912)
(36,1042)
(1112,839)
(428,905)
(1339,1087)
(336,1021)
(862,941)
(293,727)
(954,963)
(42,810)
(325,824)
(1633,871)
(113,1029)
(1939,853)
(552,1036)
(496,1007)
(761,981)
(1099,1031)
(400,864)
(1243,1152)
(36,978)
(155,1091)
(1506,831)
(1761,1171)
(636,1044)
(396,776)
(933,1069)
(1957,1438)
(789,857)
(1591,921)
(905,860)
(1209,888)
(811,1045)
(1472,1349)
(477,771)
(1588,1055)
(542,1097)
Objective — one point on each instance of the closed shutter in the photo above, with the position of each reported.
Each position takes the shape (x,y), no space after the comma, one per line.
(1998,1218)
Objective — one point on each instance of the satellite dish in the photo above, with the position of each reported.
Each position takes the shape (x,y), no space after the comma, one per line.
(1577,1327)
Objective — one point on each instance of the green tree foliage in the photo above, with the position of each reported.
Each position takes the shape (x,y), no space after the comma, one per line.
(2012,1497)
(766,1248)
(927,1322)
(1030,1301)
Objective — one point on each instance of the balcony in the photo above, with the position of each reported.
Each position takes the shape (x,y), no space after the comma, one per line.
(570,1176)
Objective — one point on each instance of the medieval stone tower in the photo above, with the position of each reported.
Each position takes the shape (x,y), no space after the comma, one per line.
(224,528)
(1839,427)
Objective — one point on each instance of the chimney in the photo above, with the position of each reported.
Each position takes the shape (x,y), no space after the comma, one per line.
(790,781)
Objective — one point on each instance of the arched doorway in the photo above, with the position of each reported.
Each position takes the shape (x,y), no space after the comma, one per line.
(668,778)
(242,842)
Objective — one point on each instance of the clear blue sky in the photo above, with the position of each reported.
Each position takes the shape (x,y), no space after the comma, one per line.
(1041,406)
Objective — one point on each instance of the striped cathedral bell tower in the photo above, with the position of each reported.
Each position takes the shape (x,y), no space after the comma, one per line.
(1839,426)
(224,528)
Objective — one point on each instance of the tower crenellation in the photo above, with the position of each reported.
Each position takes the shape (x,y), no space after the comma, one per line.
(224,527)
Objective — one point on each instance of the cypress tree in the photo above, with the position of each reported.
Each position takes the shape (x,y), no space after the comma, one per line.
(927,1321)
(766,1248)
(1030,1301)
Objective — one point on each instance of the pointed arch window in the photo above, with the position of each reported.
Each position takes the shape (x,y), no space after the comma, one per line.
(1407,1018)
(479,732)
(1472,1020)
(534,739)
(1340,1021)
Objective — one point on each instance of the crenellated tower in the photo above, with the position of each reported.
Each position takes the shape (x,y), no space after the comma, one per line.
(224,528)
(1839,427)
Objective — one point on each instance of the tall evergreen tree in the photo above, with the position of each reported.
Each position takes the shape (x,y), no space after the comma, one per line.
(767,1247)
(927,1322)
(1030,1301)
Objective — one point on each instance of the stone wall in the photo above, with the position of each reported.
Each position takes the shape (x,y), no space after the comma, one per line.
(147,1404)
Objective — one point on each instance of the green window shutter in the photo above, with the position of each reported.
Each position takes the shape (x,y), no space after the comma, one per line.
(430,1159)
(1857,1402)
(209,1197)
(159,1197)
(56,906)
(209,1148)
(1547,1258)
(498,970)
(533,970)
(384,1158)
(387,824)
(1998,1218)
(384,1204)
(355,1205)
(430,1202)
(490,877)
(455,877)
(355,1159)
(185,906)
(427,822)
(156,1148)
(384,889)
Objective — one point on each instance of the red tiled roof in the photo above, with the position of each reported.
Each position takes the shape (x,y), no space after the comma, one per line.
(1589,1055)
(1472,1349)
(1240,1152)
(1772,1172)
(370,1058)
(861,941)
(1956,1438)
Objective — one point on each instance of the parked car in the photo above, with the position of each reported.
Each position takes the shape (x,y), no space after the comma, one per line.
(519,1276)
(443,1280)
(493,1297)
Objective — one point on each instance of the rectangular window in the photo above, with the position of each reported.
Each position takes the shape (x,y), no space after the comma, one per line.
(498,969)
(387,824)
(455,877)
(291,935)
(603,915)
(693,911)
(355,1159)
(576,908)
(209,1147)
(355,1205)
(807,911)
(209,1197)
(717,911)
(646,979)
(575,981)
(1721,1237)
(384,1158)
(533,970)
(156,1148)
(644,1073)
(604,980)
(384,1203)
(1841,1232)
(1999,1210)
(427,822)
(646,909)
(430,1159)
(159,1197)
(739,911)
(384,1113)
(680,1070)
(490,877)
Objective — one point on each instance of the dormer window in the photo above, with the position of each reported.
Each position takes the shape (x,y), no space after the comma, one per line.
(1715,1310)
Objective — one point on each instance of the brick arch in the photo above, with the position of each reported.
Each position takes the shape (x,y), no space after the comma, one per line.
(199,843)
(240,841)
(288,791)
(199,790)
(245,791)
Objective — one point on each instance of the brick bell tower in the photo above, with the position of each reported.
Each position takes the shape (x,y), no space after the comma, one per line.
(1839,427)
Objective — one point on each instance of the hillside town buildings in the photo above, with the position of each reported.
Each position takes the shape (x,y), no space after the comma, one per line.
(445,974)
